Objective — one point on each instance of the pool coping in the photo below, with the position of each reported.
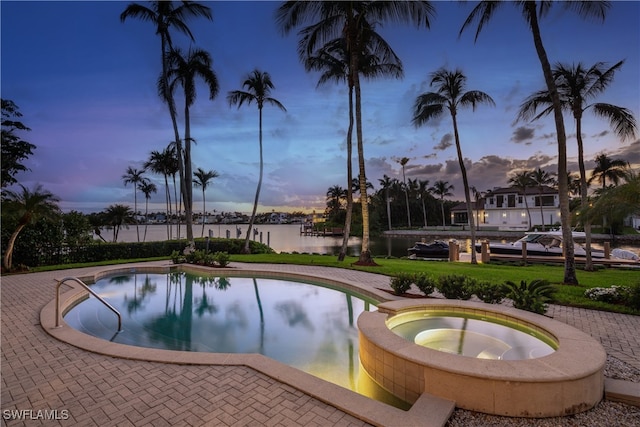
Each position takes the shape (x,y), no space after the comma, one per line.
(428,410)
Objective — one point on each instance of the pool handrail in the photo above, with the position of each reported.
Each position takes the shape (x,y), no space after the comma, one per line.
(81,283)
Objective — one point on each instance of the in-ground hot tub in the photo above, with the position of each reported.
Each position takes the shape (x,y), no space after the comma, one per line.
(560,372)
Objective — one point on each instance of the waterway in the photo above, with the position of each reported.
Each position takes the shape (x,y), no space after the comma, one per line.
(288,238)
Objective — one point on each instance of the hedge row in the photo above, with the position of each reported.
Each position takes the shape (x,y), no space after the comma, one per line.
(99,251)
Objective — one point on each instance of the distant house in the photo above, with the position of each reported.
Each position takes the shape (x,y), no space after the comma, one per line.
(505,209)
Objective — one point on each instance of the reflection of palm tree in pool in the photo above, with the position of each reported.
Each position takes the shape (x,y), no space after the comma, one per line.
(203,303)
(463,330)
(138,297)
(294,314)
(255,287)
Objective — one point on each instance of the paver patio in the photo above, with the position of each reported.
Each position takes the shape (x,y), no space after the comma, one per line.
(41,373)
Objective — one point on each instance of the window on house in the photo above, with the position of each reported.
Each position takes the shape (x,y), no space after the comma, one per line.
(491,200)
(546,201)
(499,201)
(520,199)
(511,200)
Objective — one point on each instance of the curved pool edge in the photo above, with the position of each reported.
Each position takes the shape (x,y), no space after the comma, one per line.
(371,411)
(568,381)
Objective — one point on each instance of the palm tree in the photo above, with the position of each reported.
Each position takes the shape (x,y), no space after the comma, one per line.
(165,15)
(118,216)
(617,201)
(333,61)
(477,195)
(423,192)
(576,85)
(165,164)
(202,179)
(134,176)
(522,180)
(442,189)
(450,94)
(184,71)
(403,161)
(608,168)
(541,179)
(386,182)
(532,11)
(335,195)
(29,206)
(333,19)
(258,87)
(147,188)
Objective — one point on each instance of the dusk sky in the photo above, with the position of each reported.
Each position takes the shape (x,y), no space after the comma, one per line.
(86,86)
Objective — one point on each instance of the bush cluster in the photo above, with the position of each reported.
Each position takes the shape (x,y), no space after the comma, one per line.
(531,297)
(200,257)
(625,295)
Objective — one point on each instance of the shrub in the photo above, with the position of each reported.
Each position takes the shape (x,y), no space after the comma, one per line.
(613,295)
(221,258)
(454,286)
(633,299)
(425,283)
(177,257)
(488,292)
(531,297)
(401,283)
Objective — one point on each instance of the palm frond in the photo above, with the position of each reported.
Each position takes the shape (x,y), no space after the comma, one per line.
(620,119)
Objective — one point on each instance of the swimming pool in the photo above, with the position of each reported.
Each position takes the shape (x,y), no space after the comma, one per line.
(306,325)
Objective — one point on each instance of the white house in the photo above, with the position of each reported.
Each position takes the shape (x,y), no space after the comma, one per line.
(506,209)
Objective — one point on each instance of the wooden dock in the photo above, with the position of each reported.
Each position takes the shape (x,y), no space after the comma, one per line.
(325,232)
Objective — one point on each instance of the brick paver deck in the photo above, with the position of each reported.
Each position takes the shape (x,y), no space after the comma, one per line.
(41,373)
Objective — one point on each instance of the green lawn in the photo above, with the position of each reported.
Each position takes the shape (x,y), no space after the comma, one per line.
(494,273)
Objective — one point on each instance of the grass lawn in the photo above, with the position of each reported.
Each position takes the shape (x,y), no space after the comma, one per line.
(494,273)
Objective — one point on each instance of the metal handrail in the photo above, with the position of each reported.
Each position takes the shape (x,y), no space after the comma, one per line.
(81,283)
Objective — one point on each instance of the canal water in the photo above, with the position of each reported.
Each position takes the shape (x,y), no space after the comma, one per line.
(288,238)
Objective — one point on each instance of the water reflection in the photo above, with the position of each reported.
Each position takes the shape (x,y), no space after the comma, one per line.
(303,325)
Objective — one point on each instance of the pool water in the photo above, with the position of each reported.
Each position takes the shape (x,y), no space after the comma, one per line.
(307,326)
(471,336)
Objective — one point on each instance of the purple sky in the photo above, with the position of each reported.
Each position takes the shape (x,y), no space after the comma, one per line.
(85,83)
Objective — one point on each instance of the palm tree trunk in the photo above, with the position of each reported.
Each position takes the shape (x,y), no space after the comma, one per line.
(146,219)
(188,175)
(255,202)
(541,211)
(204,206)
(588,265)
(442,207)
(467,196)
(347,221)
(167,193)
(424,213)
(8,255)
(565,215)
(135,209)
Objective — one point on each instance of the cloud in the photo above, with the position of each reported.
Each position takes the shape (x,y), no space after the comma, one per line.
(523,134)
(445,142)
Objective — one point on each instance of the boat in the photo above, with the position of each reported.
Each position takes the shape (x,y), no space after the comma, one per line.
(541,243)
(437,249)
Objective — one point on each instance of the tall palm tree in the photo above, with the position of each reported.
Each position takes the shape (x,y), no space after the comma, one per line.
(423,193)
(28,206)
(333,61)
(165,164)
(577,85)
(134,176)
(477,195)
(147,188)
(332,19)
(386,182)
(451,95)
(258,87)
(532,11)
(183,71)
(541,179)
(442,189)
(608,168)
(165,15)
(403,161)
(202,179)
(522,180)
